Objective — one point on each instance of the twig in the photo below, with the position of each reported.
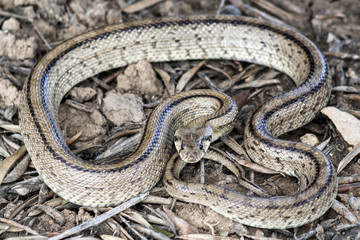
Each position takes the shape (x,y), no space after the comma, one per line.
(342,55)
(23,206)
(348,187)
(349,179)
(221,5)
(273,9)
(342,210)
(15,224)
(326,225)
(256,13)
(208,82)
(47,45)
(9,14)
(101,218)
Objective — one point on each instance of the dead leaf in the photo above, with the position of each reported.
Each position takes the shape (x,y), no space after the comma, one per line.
(347,125)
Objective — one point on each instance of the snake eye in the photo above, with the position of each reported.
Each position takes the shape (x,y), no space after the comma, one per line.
(207,138)
(204,141)
(201,146)
(179,144)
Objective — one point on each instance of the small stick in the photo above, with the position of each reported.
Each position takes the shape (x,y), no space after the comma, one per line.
(101,218)
(15,224)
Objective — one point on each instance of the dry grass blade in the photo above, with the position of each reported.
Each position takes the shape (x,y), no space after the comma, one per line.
(273,9)
(18,171)
(219,70)
(4,153)
(136,217)
(183,226)
(23,206)
(185,78)
(10,161)
(256,84)
(290,6)
(10,143)
(208,82)
(11,127)
(165,217)
(73,138)
(241,98)
(166,80)
(251,165)
(79,106)
(321,146)
(109,237)
(345,89)
(123,134)
(347,159)
(251,11)
(150,232)
(234,145)
(126,222)
(140,5)
(155,220)
(205,237)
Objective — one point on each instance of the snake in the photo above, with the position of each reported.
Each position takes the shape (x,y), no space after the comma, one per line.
(175,39)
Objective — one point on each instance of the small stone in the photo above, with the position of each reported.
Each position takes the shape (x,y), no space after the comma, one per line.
(9,94)
(122,108)
(17,49)
(11,24)
(82,94)
(113,16)
(310,139)
(29,12)
(139,78)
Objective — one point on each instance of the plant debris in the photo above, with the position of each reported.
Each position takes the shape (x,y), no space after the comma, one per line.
(109,114)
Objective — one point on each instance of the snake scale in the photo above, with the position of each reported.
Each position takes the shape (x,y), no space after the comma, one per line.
(204,37)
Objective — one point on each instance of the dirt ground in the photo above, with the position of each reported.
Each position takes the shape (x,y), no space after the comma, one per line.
(109,110)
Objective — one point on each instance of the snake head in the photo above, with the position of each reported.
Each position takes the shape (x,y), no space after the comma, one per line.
(193,142)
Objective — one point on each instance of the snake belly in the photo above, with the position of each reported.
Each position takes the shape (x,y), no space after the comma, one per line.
(222,37)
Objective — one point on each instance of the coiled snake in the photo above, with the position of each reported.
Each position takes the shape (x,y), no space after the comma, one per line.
(223,37)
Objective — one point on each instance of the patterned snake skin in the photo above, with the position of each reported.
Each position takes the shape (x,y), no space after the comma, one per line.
(223,37)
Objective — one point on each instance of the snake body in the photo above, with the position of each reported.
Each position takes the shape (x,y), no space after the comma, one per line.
(223,37)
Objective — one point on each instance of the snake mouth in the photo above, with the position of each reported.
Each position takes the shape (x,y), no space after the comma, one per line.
(193,158)
(190,157)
